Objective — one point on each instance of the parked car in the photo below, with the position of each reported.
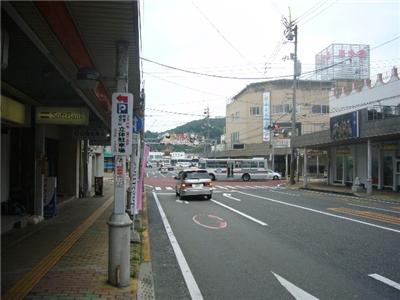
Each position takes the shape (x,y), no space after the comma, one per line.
(273,175)
(193,182)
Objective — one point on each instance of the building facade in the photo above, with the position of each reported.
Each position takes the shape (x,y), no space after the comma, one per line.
(363,141)
(258,119)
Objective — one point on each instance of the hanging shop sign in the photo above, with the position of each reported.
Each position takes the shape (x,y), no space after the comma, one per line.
(121,123)
(62,115)
(266,116)
(12,110)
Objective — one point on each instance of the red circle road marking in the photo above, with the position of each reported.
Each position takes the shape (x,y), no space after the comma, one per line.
(221,223)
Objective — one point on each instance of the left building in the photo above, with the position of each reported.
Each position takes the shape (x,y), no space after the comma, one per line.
(55,98)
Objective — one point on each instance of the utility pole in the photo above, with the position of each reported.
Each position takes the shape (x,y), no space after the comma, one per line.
(291,35)
(119,222)
(207,113)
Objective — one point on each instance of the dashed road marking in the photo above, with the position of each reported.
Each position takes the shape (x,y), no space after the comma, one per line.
(158,188)
(385,280)
(240,213)
(169,188)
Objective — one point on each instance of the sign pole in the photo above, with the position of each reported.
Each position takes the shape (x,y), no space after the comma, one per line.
(121,144)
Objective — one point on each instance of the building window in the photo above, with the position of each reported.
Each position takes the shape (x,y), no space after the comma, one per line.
(234,137)
(237,115)
(255,111)
(320,109)
(284,108)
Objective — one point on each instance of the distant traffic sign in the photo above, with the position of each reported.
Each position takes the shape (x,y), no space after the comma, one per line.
(137,124)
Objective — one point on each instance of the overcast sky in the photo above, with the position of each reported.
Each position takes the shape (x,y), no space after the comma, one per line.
(241,39)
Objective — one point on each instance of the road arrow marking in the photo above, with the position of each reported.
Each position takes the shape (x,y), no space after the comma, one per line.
(230,197)
(296,292)
(385,280)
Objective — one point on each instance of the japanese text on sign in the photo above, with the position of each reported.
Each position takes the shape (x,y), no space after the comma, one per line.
(122,111)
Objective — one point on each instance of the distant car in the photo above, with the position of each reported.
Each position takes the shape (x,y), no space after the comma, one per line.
(163,170)
(193,182)
(273,175)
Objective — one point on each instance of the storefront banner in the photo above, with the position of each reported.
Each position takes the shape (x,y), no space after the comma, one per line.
(266,116)
(139,188)
(345,126)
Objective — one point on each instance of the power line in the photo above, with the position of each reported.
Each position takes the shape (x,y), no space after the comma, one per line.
(223,36)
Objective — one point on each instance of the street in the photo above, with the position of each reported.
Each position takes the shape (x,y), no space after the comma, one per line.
(261,240)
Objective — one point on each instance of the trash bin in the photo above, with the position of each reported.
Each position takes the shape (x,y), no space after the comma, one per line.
(98,186)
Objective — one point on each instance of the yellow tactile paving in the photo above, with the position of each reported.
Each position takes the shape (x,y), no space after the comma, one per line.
(146,241)
(26,283)
(367,214)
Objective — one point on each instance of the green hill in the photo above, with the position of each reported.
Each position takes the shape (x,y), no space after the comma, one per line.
(197,128)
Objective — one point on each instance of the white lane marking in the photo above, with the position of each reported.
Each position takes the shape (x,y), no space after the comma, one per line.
(148,185)
(165,193)
(158,188)
(385,280)
(191,284)
(231,187)
(186,202)
(179,201)
(240,186)
(321,212)
(296,292)
(376,208)
(275,191)
(161,174)
(230,197)
(240,213)
(260,186)
(221,187)
(169,188)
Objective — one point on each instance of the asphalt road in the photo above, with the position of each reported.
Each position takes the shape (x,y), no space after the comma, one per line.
(254,240)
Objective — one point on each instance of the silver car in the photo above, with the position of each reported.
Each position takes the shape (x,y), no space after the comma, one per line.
(193,182)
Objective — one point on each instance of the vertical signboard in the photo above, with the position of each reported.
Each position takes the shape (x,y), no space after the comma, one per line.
(50,196)
(121,124)
(266,116)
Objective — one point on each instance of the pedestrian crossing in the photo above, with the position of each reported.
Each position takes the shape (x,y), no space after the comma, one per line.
(225,188)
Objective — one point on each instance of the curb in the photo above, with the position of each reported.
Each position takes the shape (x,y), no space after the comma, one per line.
(329,191)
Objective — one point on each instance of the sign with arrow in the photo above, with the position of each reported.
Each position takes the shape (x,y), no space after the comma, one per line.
(121,123)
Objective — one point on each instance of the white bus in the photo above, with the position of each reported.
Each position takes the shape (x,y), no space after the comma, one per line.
(238,168)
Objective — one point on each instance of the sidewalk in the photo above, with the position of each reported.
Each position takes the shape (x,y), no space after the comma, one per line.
(65,257)
(322,186)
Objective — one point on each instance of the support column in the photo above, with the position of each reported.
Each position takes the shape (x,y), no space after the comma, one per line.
(305,169)
(297,165)
(120,223)
(39,168)
(380,167)
(85,163)
(317,165)
(369,168)
(286,166)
